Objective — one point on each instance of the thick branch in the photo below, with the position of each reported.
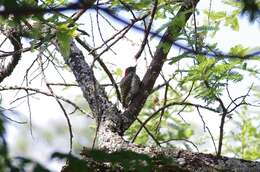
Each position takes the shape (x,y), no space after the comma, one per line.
(102,64)
(182,160)
(92,91)
(16,42)
(106,114)
(163,48)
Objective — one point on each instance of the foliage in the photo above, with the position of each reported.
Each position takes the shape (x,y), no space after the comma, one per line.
(244,141)
(246,7)
(64,36)
(170,128)
(3,148)
(210,77)
(123,160)
(23,164)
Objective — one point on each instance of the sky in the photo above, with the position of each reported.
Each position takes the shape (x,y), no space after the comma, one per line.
(45,111)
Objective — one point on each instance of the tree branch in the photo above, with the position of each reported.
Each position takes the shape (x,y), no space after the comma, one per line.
(16,42)
(182,160)
(104,111)
(163,48)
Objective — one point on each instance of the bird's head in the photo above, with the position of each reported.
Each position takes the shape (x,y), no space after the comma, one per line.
(130,69)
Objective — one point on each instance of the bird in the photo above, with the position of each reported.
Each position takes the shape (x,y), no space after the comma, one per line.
(129,86)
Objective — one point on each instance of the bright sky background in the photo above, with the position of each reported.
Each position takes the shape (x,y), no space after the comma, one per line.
(45,110)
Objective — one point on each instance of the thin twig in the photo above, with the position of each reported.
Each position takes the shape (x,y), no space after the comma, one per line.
(99,29)
(30,112)
(212,138)
(186,140)
(169,105)
(5,88)
(102,64)
(149,133)
(60,104)
(162,112)
(147,30)
(206,127)
(8,118)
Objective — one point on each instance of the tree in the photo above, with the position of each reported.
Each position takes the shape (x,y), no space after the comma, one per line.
(205,78)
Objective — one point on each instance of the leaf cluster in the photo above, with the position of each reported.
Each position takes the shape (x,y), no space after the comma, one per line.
(244,142)
(211,76)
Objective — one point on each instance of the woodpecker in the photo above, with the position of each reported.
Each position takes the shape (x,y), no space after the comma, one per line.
(129,86)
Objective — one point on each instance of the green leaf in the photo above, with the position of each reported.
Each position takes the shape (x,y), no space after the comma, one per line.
(179,57)
(232,21)
(118,72)
(238,50)
(232,3)
(246,136)
(216,15)
(64,36)
(37,167)
(10,4)
(75,164)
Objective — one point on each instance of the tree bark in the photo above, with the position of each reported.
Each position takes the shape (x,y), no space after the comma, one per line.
(15,40)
